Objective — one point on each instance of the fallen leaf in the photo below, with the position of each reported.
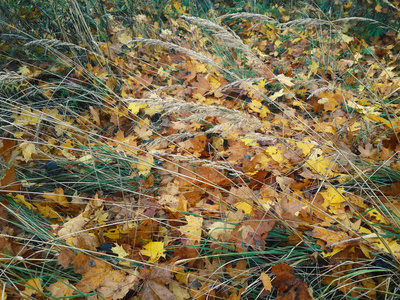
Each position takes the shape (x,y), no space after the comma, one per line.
(27,150)
(266,281)
(62,288)
(154,250)
(74,225)
(220,231)
(120,251)
(192,229)
(21,200)
(57,196)
(33,288)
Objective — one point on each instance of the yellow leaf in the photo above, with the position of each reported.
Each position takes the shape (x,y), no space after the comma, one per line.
(33,287)
(355,127)
(333,195)
(200,68)
(21,200)
(177,6)
(179,291)
(48,212)
(120,251)
(125,37)
(276,154)
(323,100)
(285,80)
(333,252)
(57,196)
(378,216)
(27,150)
(378,8)
(320,165)
(145,164)
(154,250)
(215,84)
(114,234)
(23,70)
(333,199)
(347,39)
(247,208)
(27,117)
(378,119)
(313,67)
(305,147)
(262,83)
(135,107)
(152,110)
(266,281)
(277,95)
(193,228)
(366,251)
(18,134)
(250,141)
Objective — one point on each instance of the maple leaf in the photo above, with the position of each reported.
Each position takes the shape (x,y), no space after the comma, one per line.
(27,150)
(181,293)
(250,141)
(27,117)
(57,196)
(120,251)
(24,70)
(347,39)
(48,212)
(154,250)
(33,287)
(62,288)
(220,231)
(135,107)
(313,68)
(285,80)
(145,164)
(321,165)
(143,132)
(192,229)
(125,37)
(333,199)
(93,271)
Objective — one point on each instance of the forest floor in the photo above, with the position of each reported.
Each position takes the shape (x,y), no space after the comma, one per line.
(174,150)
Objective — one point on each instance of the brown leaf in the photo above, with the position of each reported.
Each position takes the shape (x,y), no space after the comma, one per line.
(95,114)
(161,274)
(155,291)
(9,181)
(93,271)
(61,289)
(289,286)
(253,233)
(66,257)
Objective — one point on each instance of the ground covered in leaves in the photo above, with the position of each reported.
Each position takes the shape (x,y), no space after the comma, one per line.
(170,156)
